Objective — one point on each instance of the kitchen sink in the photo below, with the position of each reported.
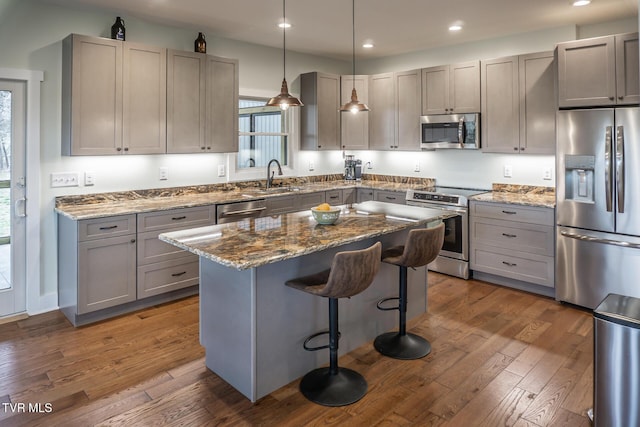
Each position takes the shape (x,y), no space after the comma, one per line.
(272,190)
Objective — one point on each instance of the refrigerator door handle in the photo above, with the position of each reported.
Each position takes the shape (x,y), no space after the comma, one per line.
(600,240)
(620,167)
(607,167)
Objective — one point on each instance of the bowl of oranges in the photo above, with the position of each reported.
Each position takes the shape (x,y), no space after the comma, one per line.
(325,214)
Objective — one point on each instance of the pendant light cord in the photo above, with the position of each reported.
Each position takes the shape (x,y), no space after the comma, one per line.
(353,34)
(284,41)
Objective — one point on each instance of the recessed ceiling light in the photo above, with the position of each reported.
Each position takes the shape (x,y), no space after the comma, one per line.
(581,2)
(455,27)
(367,45)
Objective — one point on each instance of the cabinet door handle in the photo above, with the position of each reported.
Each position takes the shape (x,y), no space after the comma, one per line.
(111,227)
(621,97)
(126,148)
(509,264)
(509,212)
(509,235)
(133,240)
(179,274)
(119,149)
(178,218)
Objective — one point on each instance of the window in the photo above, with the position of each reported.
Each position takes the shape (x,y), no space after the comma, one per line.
(263,134)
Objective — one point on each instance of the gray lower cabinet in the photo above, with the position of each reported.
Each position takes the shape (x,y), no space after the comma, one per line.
(389,196)
(293,202)
(364,195)
(163,267)
(96,264)
(334,197)
(513,242)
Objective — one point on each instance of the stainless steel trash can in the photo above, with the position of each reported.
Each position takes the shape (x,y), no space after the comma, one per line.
(616,396)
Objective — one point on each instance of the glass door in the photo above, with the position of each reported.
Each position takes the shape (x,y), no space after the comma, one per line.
(12,198)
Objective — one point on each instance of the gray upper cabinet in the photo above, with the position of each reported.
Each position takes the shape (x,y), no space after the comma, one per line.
(395,103)
(202,103)
(600,71)
(518,104)
(450,89)
(354,127)
(113,97)
(320,115)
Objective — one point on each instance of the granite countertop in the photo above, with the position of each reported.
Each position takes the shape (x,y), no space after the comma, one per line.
(255,242)
(526,195)
(138,201)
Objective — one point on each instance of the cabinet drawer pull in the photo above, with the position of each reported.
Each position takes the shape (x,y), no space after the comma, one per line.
(178,218)
(179,274)
(390,197)
(333,197)
(509,235)
(509,264)
(111,227)
(509,212)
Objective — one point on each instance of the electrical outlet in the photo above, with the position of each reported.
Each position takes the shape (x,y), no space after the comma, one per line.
(221,170)
(312,166)
(163,173)
(508,171)
(369,164)
(547,174)
(417,167)
(89,178)
(64,179)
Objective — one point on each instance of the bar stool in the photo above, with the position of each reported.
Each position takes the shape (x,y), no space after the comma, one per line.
(421,247)
(351,272)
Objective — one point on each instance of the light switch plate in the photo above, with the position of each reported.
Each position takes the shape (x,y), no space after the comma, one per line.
(508,171)
(220,170)
(163,173)
(547,174)
(89,178)
(312,166)
(64,179)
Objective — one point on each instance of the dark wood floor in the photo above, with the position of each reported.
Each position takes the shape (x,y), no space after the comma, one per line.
(500,358)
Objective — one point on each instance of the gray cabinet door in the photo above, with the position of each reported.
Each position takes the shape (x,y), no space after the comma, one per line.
(464,87)
(408,108)
(435,90)
(586,72)
(91,96)
(500,105)
(144,96)
(383,111)
(106,273)
(185,102)
(320,115)
(354,128)
(537,103)
(627,76)
(364,195)
(222,87)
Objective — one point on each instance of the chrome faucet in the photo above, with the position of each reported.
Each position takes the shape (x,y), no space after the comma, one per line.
(270,174)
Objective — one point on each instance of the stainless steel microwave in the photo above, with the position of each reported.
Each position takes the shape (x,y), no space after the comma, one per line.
(458,131)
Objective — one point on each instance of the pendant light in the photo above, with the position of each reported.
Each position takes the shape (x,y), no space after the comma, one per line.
(354,105)
(284,100)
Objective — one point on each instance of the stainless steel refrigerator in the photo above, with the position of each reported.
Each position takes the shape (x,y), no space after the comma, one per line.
(598,205)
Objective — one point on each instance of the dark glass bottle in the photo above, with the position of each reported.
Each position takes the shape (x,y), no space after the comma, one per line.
(200,44)
(117,29)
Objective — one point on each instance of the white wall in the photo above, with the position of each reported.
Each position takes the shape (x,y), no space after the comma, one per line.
(31,33)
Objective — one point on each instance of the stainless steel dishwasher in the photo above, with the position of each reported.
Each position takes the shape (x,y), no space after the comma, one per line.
(235,211)
(617,362)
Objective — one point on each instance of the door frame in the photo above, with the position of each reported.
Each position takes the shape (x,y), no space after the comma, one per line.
(35,302)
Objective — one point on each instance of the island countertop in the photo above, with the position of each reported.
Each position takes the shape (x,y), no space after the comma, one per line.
(255,242)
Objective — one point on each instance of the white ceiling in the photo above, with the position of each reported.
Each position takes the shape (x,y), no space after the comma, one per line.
(323,27)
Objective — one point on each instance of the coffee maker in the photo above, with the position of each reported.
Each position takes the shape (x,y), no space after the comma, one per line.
(352,168)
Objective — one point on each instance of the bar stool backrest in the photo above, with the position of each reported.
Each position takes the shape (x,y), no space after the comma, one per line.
(422,246)
(352,272)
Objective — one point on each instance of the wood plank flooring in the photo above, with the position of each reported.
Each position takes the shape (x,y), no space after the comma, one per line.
(500,357)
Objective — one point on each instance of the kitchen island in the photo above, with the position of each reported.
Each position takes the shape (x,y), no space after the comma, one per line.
(252,326)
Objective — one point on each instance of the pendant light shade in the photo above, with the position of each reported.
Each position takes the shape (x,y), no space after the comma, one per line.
(354,105)
(284,100)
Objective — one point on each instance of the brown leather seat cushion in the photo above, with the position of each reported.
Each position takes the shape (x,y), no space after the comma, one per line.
(351,273)
(422,247)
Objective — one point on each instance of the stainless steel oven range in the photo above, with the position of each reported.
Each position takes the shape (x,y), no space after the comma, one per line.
(454,255)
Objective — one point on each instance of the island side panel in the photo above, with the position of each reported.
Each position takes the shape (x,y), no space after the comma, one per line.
(227,324)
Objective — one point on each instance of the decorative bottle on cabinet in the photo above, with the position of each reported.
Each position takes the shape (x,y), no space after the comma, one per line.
(200,44)
(117,29)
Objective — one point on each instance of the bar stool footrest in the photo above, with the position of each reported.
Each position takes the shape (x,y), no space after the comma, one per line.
(343,388)
(384,300)
(311,337)
(405,347)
